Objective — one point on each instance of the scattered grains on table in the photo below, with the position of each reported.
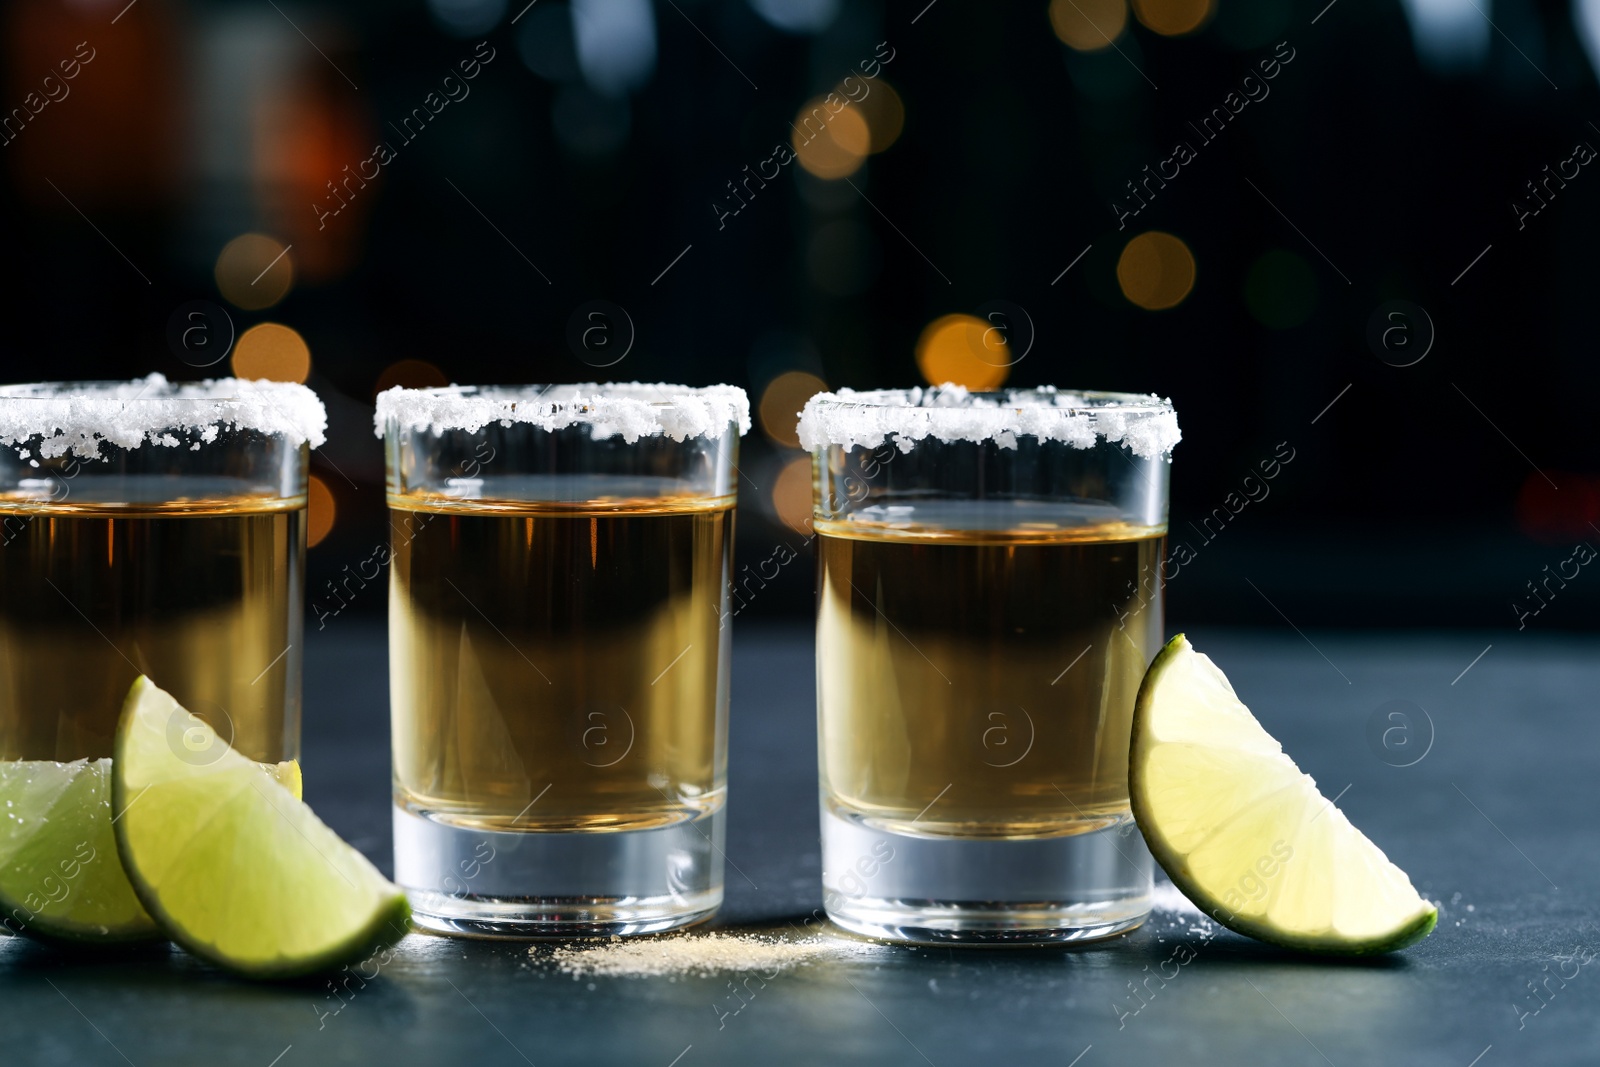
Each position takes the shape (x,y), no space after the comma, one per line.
(699,954)
(1167,897)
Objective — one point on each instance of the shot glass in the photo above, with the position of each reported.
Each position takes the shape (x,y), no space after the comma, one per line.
(157,528)
(558,654)
(989,596)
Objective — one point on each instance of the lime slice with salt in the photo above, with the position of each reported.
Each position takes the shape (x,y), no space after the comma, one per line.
(233,866)
(1245,834)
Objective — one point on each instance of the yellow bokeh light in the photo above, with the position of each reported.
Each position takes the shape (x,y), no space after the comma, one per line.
(781,402)
(1156,270)
(1173,18)
(791,495)
(254,272)
(271,351)
(320,510)
(831,144)
(885,115)
(965,350)
(1088,25)
(411,374)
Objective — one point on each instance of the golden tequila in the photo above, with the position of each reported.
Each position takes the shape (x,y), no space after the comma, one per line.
(980,681)
(197,588)
(559,666)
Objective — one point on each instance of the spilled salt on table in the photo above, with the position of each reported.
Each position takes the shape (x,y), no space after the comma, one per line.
(700,954)
(1166,897)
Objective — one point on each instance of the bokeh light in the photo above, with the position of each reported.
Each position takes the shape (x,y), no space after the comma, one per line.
(1173,18)
(616,44)
(467,18)
(411,374)
(546,43)
(1554,516)
(831,145)
(884,111)
(791,494)
(1450,41)
(273,352)
(320,510)
(964,350)
(1280,290)
(1156,270)
(798,16)
(1088,25)
(254,271)
(781,402)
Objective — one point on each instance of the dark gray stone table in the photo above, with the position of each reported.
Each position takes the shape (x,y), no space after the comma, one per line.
(1499,821)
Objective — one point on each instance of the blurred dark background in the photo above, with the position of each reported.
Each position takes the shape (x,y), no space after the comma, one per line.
(1361,234)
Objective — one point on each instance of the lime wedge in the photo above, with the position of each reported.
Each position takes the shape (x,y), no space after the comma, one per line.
(60,877)
(288,775)
(233,866)
(59,873)
(1245,834)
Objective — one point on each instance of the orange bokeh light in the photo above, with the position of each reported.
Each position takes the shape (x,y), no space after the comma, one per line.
(1088,25)
(831,144)
(1156,270)
(964,350)
(885,115)
(781,402)
(1173,18)
(410,374)
(791,494)
(320,510)
(273,352)
(254,271)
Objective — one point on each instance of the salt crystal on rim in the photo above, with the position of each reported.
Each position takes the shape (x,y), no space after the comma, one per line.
(57,417)
(1146,423)
(629,409)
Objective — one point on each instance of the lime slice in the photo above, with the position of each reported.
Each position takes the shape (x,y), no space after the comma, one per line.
(234,867)
(60,877)
(288,775)
(1245,834)
(59,873)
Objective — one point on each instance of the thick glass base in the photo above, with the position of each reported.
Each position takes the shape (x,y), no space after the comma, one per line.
(950,890)
(494,883)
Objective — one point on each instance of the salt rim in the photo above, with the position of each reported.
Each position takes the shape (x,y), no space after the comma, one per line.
(629,409)
(55,418)
(1146,423)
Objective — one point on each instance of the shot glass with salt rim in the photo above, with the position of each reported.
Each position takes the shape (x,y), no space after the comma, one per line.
(559,587)
(146,527)
(989,596)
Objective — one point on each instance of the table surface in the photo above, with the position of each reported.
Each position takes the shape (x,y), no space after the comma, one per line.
(1496,822)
